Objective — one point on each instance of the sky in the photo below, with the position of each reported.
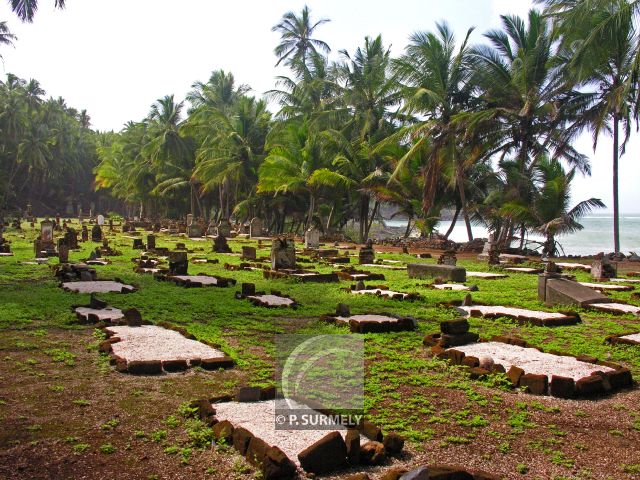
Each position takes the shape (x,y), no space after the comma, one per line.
(116,57)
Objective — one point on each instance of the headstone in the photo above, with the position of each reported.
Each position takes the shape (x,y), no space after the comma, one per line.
(151,242)
(189,220)
(80,214)
(46,232)
(178,263)
(137,244)
(37,247)
(448,258)
(85,233)
(602,269)
(366,255)
(283,253)
(29,213)
(224,228)
(100,220)
(248,253)
(58,226)
(96,233)
(255,228)
(63,251)
(194,231)
(312,238)
(111,224)
(71,237)
(555,290)
(220,245)
(69,209)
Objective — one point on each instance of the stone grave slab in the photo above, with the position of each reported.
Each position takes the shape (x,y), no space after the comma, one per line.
(374,323)
(6,254)
(625,339)
(381,292)
(98,286)
(561,291)
(511,258)
(151,348)
(356,275)
(605,287)
(616,308)
(524,270)
(270,300)
(624,280)
(258,418)
(388,267)
(200,280)
(456,287)
(522,315)
(487,275)
(108,314)
(430,270)
(574,266)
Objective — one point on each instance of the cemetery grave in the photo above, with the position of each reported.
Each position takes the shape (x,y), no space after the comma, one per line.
(275,299)
(381,291)
(370,322)
(487,275)
(524,270)
(521,315)
(354,274)
(97,286)
(200,280)
(455,287)
(603,287)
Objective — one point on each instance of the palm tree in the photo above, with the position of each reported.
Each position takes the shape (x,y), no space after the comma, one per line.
(6,37)
(26,9)
(551,206)
(296,42)
(220,91)
(436,85)
(602,44)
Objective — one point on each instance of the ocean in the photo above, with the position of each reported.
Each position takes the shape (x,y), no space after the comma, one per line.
(597,235)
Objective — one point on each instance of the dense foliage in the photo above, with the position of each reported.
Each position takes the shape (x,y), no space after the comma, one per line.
(483,131)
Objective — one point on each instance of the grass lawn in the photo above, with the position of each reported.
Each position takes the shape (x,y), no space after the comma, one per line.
(65,413)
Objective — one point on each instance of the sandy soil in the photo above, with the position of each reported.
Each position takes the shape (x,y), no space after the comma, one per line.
(150,342)
(532,360)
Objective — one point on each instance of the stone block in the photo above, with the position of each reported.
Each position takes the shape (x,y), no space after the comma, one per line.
(535,384)
(588,386)
(393,443)
(241,438)
(560,291)
(326,455)
(562,387)
(352,440)
(446,272)
(144,367)
(460,325)
(458,340)
(372,453)
(514,374)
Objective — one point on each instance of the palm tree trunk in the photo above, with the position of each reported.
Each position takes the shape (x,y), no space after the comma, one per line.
(616,213)
(370,221)
(364,217)
(312,206)
(453,222)
(408,230)
(463,201)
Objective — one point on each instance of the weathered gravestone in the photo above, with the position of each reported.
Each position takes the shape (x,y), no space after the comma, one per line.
(429,270)
(283,254)
(448,258)
(366,255)
(178,263)
(151,242)
(63,250)
(255,228)
(311,238)
(603,268)
(553,289)
(194,231)
(96,233)
(138,244)
(100,220)
(248,253)
(220,245)
(224,228)
(85,233)
(71,237)
(46,232)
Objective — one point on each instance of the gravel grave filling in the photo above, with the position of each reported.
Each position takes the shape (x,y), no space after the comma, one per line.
(203,279)
(99,286)
(532,360)
(272,300)
(150,342)
(511,312)
(108,314)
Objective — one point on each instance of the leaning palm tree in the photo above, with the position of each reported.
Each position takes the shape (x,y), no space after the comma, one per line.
(602,45)
(296,42)
(26,9)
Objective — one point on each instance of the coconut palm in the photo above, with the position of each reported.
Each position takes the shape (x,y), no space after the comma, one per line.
(436,85)
(26,9)
(602,43)
(296,42)
(6,37)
